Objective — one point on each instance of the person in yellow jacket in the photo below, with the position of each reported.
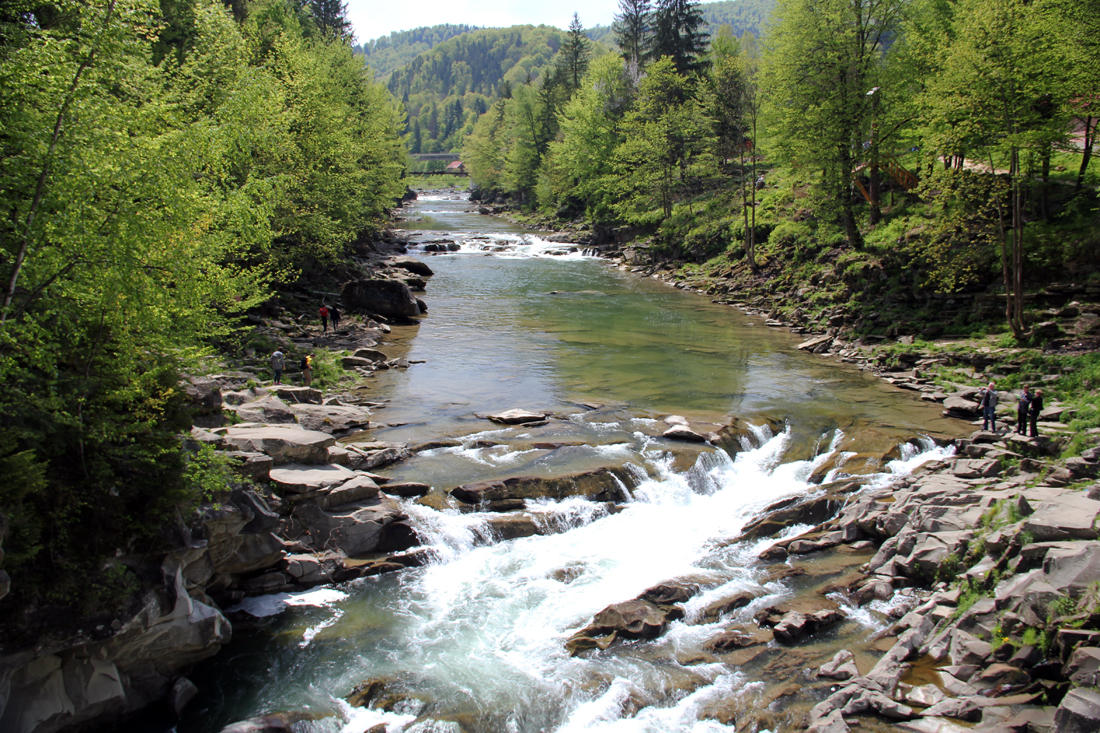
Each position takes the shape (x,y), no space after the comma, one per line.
(307,369)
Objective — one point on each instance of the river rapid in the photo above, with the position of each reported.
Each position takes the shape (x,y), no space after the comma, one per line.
(477,637)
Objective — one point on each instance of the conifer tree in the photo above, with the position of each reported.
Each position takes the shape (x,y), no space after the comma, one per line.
(574,54)
(632,28)
(331,18)
(679,33)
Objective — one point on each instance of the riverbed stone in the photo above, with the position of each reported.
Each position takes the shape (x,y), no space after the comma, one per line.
(354,489)
(356,529)
(331,419)
(1083,667)
(598,485)
(284,443)
(390,298)
(517,416)
(268,409)
(841,667)
(682,432)
(297,478)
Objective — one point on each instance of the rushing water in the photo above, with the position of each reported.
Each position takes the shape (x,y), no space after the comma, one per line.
(478,635)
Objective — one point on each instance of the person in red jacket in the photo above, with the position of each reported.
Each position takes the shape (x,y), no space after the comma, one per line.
(324,317)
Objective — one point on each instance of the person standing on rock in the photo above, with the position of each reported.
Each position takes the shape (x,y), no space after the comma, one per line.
(988,404)
(1022,408)
(1034,410)
(278,364)
(324,317)
(307,369)
(334,314)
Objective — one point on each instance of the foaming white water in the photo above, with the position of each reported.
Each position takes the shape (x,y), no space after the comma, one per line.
(483,627)
(489,622)
(503,244)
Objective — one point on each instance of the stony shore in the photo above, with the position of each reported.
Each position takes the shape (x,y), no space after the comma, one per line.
(992,557)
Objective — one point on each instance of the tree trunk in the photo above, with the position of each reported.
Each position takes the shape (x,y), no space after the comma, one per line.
(1090,133)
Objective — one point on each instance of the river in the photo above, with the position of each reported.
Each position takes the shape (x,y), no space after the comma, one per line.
(477,637)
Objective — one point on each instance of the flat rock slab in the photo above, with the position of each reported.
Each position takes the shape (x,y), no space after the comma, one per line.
(296,395)
(284,443)
(1071,516)
(331,418)
(517,417)
(300,479)
(268,409)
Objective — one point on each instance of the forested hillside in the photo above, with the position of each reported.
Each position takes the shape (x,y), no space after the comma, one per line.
(384,55)
(742,16)
(875,153)
(159,176)
(445,90)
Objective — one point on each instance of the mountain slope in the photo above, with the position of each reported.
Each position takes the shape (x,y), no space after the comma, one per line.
(391,52)
(447,88)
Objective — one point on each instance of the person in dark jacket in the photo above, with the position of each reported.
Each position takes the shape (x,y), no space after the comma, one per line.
(1034,409)
(334,316)
(988,401)
(1022,408)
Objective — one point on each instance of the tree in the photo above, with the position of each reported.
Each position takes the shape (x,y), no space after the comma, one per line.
(331,19)
(666,144)
(821,60)
(574,54)
(581,163)
(677,34)
(992,97)
(632,28)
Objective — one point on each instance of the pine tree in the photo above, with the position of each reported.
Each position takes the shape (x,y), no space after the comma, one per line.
(331,18)
(677,34)
(632,30)
(574,54)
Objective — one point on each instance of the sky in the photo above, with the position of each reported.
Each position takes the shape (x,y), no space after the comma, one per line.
(375,18)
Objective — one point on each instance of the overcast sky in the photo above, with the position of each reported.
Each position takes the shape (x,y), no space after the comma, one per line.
(374,18)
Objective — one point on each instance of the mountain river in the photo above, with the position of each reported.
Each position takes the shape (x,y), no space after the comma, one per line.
(477,638)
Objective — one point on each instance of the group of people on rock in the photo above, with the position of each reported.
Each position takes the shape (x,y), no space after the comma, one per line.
(278,359)
(1028,408)
(327,313)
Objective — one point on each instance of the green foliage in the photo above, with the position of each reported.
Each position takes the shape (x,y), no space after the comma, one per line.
(146,208)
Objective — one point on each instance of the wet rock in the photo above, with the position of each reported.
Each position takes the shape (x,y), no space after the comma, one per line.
(517,417)
(372,355)
(738,638)
(598,485)
(795,626)
(665,594)
(681,432)
(511,526)
(833,722)
(964,708)
(407,489)
(631,619)
(375,455)
(725,606)
(841,667)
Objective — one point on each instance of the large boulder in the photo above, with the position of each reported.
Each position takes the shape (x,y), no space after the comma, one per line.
(356,529)
(383,297)
(413,265)
(284,443)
